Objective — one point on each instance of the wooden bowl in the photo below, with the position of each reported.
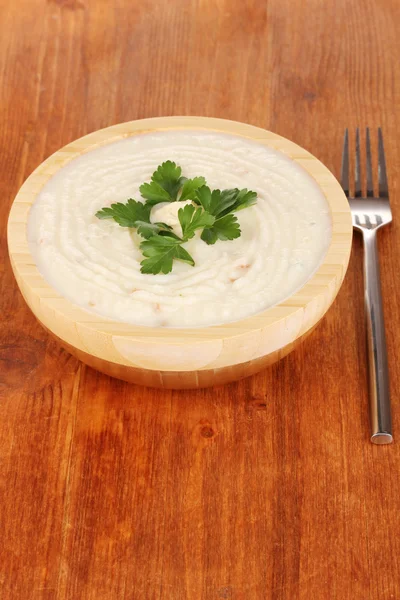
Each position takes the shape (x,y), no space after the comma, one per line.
(181,358)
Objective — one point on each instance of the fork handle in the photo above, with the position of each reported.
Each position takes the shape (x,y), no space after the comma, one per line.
(379,396)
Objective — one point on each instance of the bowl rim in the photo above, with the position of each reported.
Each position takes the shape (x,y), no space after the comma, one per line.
(328,276)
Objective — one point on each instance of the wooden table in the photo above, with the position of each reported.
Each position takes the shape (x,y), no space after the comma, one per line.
(264,489)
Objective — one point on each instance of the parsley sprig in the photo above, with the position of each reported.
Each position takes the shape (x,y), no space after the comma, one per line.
(168,185)
(210,211)
(221,205)
(161,250)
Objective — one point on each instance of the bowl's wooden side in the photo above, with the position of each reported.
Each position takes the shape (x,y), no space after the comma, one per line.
(181,380)
(189,352)
(243,346)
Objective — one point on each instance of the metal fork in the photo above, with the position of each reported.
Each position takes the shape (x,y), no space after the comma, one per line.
(369,214)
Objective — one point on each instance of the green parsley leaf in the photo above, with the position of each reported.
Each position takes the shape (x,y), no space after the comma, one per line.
(127,214)
(182,254)
(243,199)
(225,228)
(192,218)
(190,188)
(160,252)
(222,202)
(203,197)
(219,203)
(216,202)
(209,236)
(168,176)
(165,184)
(147,230)
(154,193)
(222,205)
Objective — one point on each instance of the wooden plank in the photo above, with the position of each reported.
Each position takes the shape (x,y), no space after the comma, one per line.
(268,488)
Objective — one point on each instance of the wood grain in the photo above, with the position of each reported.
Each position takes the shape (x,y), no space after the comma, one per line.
(264,489)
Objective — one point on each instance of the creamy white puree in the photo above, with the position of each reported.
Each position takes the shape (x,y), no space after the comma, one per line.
(96,263)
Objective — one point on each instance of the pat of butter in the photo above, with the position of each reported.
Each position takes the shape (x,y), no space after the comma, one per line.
(167,212)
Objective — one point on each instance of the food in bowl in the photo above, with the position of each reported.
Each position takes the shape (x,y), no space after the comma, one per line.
(243,303)
(96,263)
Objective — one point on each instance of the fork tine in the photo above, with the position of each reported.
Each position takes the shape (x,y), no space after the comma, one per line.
(370,187)
(383,184)
(357,184)
(344,176)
